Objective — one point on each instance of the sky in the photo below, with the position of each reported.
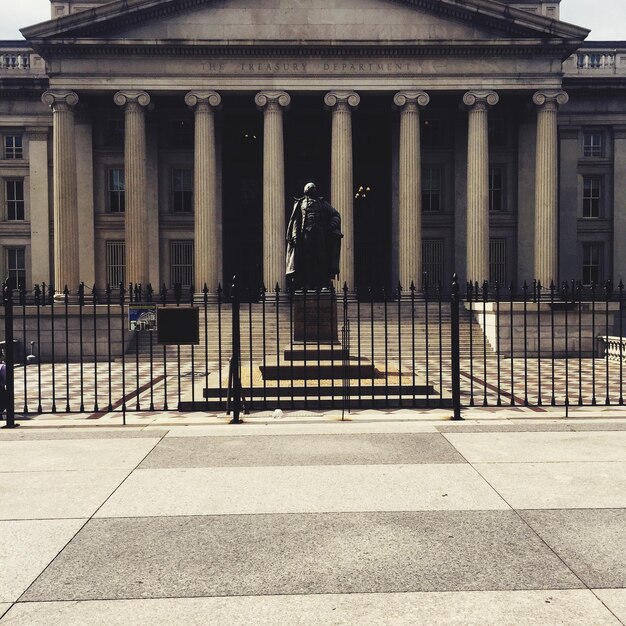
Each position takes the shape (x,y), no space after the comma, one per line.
(605,18)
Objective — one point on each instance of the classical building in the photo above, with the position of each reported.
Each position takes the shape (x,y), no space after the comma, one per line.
(162,141)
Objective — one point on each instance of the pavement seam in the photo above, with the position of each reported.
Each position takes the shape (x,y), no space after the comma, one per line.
(606,606)
(86,522)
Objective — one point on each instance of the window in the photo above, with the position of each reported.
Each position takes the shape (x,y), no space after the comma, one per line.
(592,196)
(432,261)
(115,262)
(116,191)
(496,188)
(181,263)
(592,263)
(592,144)
(16,267)
(431,189)
(15,199)
(497,261)
(432,133)
(182,201)
(114,133)
(13,148)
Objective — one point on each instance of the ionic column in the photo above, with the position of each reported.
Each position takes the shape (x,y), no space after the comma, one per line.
(136,217)
(342,188)
(410,187)
(478,103)
(66,260)
(272,104)
(207,245)
(546,186)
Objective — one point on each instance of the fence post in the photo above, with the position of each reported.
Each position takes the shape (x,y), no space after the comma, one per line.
(234,378)
(7,299)
(455,350)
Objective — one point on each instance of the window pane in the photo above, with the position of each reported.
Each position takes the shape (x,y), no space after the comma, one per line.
(181,263)
(16,267)
(496,189)
(432,261)
(592,144)
(431,189)
(592,196)
(115,262)
(15,199)
(13,147)
(497,261)
(116,191)
(181,191)
(592,263)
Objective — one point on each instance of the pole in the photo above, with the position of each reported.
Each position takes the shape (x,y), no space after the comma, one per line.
(455,350)
(236,353)
(7,298)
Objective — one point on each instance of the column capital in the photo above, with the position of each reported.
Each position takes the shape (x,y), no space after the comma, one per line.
(203,100)
(60,100)
(550,99)
(411,100)
(124,98)
(272,100)
(480,100)
(342,100)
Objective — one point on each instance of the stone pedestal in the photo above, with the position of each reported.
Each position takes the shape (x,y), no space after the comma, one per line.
(315,317)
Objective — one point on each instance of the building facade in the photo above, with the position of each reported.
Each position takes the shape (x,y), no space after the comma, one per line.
(162,141)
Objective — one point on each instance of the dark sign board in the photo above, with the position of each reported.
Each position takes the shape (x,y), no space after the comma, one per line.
(178,325)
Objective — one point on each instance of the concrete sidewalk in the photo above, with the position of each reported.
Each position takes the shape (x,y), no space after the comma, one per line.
(511,517)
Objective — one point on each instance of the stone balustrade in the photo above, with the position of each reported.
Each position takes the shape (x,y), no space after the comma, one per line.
(612,347)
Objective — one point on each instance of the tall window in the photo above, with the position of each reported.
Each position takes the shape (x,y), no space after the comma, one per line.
(592,263)
(16,267)
(13,148)
(181,263)
(496,188)
(497,261)
(432,260)
(181,191)
(593,144)
(115,262)
(15,199)
(116,191)
(431,189)
(592,196)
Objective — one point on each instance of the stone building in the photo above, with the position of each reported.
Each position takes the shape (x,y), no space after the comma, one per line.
(162,141)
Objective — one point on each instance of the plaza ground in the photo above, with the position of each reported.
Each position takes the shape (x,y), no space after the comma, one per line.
(513,516)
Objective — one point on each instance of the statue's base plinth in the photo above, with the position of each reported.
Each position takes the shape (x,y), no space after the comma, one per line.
(315,317)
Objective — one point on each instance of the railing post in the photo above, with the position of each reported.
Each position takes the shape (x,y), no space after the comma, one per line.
(234,378)
(7,299)
(455,355)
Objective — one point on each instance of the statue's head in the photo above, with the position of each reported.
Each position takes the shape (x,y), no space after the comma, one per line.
(310,190)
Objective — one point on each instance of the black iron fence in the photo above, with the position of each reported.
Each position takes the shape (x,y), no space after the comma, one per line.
(99,351)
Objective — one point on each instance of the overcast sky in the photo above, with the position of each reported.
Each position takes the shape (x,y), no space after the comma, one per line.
(606,18)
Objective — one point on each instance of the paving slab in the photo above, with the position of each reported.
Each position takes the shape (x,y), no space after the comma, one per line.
(464,608)
(49,495)
(591,542)
(74,454)
(301,554)
(558,485)
(504,428)
(342,449)
(307,489)
(4,607)
(615,600)
(26,548)
(37,434)
(537,447)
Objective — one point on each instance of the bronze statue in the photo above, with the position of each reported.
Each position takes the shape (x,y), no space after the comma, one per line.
(313,242)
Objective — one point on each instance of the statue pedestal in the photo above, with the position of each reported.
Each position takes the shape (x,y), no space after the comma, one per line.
(315,317)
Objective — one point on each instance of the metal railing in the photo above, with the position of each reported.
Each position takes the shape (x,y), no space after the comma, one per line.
(99,351)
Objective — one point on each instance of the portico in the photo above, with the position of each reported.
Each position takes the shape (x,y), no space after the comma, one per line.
(411,111)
